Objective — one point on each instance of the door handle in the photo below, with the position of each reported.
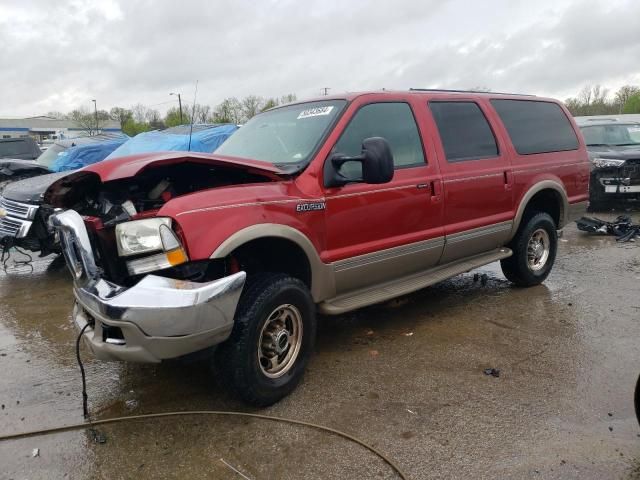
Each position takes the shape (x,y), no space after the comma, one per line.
(436,191)
(508,180)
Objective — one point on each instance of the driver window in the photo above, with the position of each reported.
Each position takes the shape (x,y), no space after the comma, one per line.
(392,121)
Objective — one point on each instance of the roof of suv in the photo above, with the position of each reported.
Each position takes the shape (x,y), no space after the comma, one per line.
(426,92)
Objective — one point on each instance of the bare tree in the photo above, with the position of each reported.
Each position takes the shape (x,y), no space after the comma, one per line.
(84,119)
(585,96)
(228,111)
(288,98)
(154,119)
(121,115)
(202,113)
(251,106)
(140,113)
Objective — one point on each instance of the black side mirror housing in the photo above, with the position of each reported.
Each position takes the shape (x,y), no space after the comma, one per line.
(376,159)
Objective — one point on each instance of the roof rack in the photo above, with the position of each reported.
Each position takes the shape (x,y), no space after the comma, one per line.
(466,91)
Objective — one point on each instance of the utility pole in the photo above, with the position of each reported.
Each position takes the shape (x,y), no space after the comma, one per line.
(179,104)
(325,91)
(95,109)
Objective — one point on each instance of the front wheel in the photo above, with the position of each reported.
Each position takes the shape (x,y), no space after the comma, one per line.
(265,357)
(534,251)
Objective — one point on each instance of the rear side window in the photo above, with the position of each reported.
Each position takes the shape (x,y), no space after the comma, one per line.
(536,127)
(464,131)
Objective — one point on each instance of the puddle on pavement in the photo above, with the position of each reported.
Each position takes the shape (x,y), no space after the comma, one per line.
(406,376)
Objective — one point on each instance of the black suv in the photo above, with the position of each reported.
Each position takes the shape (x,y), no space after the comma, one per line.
(614,150)
(24,148)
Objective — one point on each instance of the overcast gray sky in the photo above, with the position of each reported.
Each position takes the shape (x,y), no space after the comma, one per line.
(57,55)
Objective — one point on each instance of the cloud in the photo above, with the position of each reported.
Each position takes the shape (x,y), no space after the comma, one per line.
(59,56)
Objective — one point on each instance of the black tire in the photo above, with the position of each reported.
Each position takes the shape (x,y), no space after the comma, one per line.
(517,268)
(237,358)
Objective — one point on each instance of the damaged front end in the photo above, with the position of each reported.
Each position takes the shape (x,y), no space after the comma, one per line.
(143,297)
(155,319)
(615,179)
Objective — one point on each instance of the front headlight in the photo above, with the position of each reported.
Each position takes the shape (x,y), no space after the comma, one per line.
(140,236)
(605,162)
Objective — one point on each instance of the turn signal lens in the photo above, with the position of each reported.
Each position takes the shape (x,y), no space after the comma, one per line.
(172,247)
(177,257)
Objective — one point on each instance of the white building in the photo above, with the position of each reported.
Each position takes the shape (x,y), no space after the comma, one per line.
(42,128)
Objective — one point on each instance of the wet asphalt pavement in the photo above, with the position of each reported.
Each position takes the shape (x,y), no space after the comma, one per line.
(406,377)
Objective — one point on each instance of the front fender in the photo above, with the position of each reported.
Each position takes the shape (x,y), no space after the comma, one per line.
(322,282)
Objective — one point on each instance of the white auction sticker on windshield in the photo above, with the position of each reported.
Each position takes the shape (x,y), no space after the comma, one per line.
(315,112)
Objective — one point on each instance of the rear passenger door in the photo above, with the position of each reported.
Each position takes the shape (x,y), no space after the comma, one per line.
(477,178)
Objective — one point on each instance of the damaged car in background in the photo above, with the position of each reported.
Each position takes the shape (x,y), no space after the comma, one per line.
(23,218)
(614,151)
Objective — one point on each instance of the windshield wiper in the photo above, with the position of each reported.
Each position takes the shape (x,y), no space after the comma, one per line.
(625,144)
(598,145)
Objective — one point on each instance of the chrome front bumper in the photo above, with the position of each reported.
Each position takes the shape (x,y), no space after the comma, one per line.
(156,319)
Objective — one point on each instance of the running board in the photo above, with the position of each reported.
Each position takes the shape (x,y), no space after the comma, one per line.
(388,290)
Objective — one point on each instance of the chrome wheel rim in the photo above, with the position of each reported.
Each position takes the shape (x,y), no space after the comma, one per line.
(538,250)
(280,341)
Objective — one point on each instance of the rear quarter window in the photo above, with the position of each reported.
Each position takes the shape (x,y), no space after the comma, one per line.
(536,127)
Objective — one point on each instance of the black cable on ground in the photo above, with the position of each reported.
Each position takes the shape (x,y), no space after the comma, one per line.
(105,421)
(85,398)
(7,244)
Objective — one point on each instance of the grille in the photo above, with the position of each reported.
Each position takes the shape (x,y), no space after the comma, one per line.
(15,209)
(10,226)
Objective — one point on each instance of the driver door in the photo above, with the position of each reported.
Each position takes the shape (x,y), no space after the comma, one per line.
(380,232)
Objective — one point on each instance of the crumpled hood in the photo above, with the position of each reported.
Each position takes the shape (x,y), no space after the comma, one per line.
(126,167)
(31,190)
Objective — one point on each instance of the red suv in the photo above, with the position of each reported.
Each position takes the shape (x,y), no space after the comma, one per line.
(327,205)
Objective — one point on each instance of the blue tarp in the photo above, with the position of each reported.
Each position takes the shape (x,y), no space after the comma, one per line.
(205,138)
(86,154)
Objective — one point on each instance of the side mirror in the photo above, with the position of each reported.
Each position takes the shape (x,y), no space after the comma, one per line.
(376,159)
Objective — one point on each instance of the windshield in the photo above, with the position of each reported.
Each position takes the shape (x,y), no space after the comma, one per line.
(50,154)
(615,135)
(284,136)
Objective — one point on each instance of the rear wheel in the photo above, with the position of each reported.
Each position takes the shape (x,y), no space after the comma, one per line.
(265,357)
(534,251)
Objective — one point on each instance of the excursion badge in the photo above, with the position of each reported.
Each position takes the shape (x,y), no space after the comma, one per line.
(310,207)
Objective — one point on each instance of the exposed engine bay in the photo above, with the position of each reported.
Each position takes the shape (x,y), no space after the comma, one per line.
(111,207)
(121,200)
